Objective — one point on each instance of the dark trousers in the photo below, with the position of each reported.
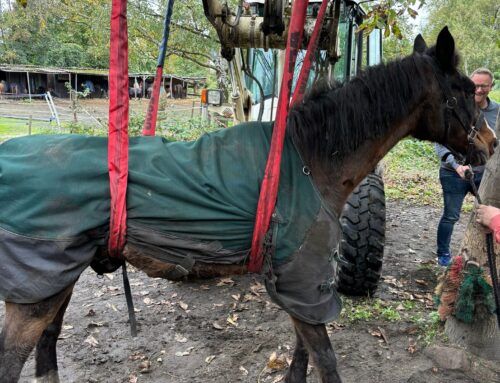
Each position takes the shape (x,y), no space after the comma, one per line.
(454,191)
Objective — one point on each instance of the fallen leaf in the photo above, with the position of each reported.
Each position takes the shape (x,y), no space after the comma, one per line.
(147,301)
(412,347)
(421,282)
(90,313)
(257,289)
(132,378)
(217,326)
(109,276)
(276,362)
(236,297)
(243,370)
(137,355)
(145,367)
(183,305)
(384,335)
(95,324)
(225,282)
(181,339)
(184,353)
(278,378)
(232,319)
(67,327)
(209,359)
(204,287)
(92,342)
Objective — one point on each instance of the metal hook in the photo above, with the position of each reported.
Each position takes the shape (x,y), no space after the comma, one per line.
(451,103)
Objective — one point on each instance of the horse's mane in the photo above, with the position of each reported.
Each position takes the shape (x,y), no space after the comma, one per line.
(335,118)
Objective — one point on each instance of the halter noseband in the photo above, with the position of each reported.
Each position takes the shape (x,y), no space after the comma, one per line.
(450,103)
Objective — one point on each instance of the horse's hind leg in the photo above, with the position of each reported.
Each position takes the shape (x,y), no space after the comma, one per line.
(297,371)
(316,341)
(23,327)
(46,356)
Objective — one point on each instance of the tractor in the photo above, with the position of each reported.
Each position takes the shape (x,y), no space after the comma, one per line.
(253,38)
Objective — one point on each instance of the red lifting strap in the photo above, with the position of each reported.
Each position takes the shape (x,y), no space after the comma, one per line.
(269,188)
(118,126)
(300,88)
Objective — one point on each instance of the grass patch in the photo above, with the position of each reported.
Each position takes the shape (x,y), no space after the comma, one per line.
(12,127)
(365,309)
(430,327)
(411,172)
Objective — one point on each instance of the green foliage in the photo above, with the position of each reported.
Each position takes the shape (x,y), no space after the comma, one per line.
(76,34)
(411,172)
(474,26)
(430,326)
(365,309)
(388,15)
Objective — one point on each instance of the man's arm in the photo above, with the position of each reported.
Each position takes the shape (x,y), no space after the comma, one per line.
(445,156)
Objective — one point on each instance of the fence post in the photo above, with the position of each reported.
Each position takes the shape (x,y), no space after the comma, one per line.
(192,109)
(29,124)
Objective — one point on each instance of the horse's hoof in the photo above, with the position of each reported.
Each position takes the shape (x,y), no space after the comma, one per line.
(51,377)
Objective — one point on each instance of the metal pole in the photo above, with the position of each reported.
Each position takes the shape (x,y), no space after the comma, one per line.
(29,125)
(29,87)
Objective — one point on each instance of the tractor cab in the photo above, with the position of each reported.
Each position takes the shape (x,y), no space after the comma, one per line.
(253,39)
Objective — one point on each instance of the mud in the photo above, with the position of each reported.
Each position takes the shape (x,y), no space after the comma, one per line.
(227,330)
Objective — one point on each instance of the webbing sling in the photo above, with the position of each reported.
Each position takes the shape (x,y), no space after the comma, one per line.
(269,187)
(149,127)
(300,88)
(118,126)
(118,142)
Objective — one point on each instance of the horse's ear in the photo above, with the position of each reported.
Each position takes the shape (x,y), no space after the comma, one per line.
(445,49)
(419,45)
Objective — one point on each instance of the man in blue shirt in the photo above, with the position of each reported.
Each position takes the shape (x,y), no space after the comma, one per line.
(452,174)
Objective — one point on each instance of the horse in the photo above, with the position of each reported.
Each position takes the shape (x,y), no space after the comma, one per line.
(335,137)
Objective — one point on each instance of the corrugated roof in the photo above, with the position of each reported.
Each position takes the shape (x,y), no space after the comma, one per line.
(86,71)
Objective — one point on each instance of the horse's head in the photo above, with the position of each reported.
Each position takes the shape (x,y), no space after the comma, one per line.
(451,117)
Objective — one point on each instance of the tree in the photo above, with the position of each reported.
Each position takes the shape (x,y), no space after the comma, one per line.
(475,27)
(482,336)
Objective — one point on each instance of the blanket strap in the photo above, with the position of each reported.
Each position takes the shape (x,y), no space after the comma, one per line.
(149,127)
(269,187)
(118,141)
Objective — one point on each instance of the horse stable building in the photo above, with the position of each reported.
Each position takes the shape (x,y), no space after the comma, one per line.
(30,80)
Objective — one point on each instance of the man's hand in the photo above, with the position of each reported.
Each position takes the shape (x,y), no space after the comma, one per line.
(461,169)
(486,213)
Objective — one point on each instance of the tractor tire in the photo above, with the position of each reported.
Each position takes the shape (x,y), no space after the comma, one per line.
(359,262)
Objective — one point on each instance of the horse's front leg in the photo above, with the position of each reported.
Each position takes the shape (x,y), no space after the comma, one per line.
(46,355)
(317,344)
(298,368)
(23,327)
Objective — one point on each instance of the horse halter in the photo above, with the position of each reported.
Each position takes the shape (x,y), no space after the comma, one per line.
(450,102)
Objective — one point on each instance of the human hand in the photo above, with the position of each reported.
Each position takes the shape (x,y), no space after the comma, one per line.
(485,214)
(462,169)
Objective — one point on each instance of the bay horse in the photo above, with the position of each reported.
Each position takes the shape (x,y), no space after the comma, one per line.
(334,138)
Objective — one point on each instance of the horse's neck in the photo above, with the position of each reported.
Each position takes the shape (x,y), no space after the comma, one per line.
(335,186)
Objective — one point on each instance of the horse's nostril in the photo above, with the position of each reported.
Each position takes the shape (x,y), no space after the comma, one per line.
(495,143)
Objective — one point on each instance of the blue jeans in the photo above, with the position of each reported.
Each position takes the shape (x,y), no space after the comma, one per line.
(454,191)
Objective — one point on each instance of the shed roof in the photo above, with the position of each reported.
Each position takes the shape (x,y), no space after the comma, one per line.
(88,71)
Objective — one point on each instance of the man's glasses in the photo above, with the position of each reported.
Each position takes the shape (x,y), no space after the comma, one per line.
(483,86)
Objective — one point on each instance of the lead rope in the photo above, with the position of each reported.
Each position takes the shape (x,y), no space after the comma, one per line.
(469,175)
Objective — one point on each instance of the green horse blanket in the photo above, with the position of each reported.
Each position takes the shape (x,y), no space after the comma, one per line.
(189,201)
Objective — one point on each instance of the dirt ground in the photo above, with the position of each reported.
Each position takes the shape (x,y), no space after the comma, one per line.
(227,330)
